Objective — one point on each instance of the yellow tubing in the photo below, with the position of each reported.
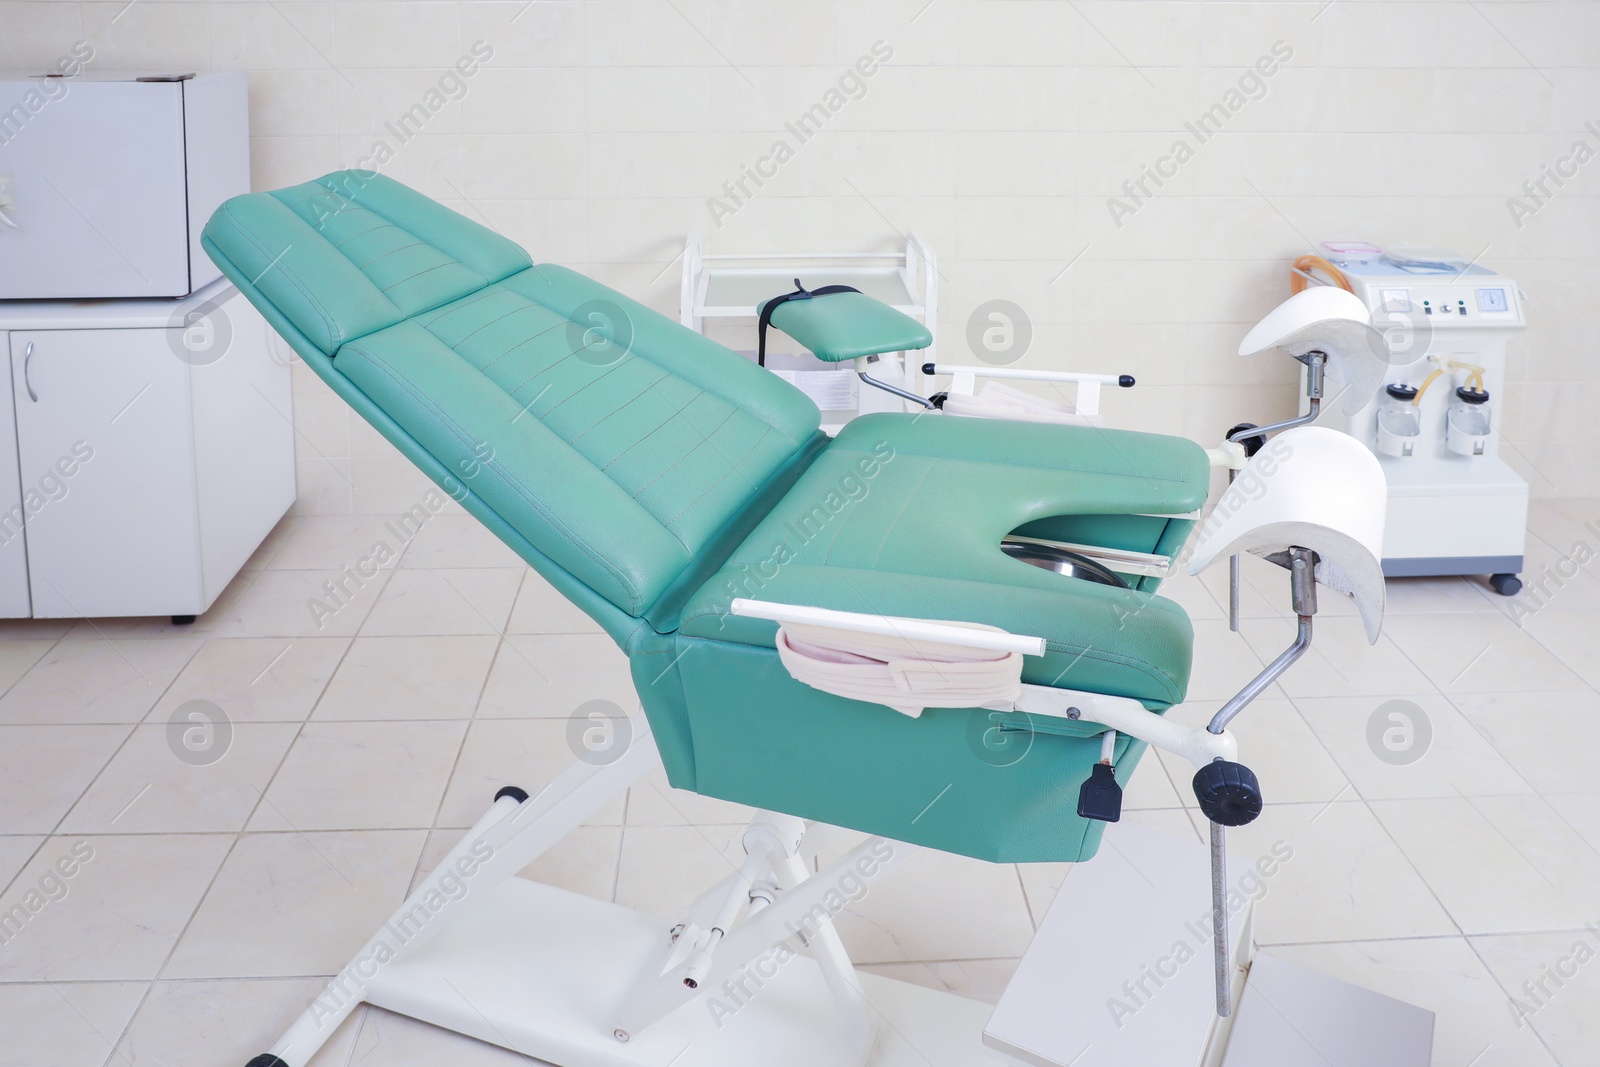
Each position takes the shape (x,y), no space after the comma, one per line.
(1474,380)
(1305,264)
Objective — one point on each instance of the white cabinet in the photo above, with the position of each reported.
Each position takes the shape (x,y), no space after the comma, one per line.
(112,178)
(153,452)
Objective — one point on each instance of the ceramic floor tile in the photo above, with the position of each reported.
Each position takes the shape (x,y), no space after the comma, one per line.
(409,678)
(256,679)
(96,681)
(981,980)
(1505,864)
(1427,596)
(436,602)
(16,657)
(653,802)
(540,609)
(333,542)
(664,868)
(398,770)
(44,769)
(1555,983)
(205,1023)
(1345,880)
(1151,786)
(892,918)
(1572,637)
(325,603)
(1040,884)
(1558,575)
(1582,812)
(1553,739)
(104,908)
(1340,662)
(585,861)
(1041,881)
(1223,662)
(1477,654)
(1417,746)
(296,904)
(1192,595)
(554,676)
(15,851)
(1444,975)
(262,557)
(148,787)
(527,753)
(64,1024)
(454,541)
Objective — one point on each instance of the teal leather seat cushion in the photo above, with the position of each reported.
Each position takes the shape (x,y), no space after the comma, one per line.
(622,456)
(617,445)
(904,514)
(838,326)
(352,253)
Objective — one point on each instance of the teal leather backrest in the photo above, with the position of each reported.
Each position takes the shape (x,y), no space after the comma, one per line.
(623,447)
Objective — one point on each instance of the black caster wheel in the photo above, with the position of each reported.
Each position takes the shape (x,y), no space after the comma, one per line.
(1505,584)
(182,620)
(1228,793)
(266,1060)
(1252,445)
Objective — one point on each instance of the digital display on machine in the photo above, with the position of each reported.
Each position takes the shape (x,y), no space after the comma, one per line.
(1492,300)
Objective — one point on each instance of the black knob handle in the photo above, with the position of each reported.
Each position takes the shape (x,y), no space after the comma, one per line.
(1125,380)
(927,368)
(1228,793)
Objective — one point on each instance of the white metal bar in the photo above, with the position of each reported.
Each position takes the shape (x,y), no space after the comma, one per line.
(505,840)
(1027,375)
(1194,744)
(756,256)
(411,923)
(950,633)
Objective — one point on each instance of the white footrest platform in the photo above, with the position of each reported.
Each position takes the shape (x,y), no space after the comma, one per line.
(1294,1017)
(1120,971)
(541,971)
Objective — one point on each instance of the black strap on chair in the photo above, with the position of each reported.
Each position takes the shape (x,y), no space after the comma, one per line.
(800,293)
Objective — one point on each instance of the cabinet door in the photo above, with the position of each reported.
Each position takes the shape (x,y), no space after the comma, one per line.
(13,534)
(107,468)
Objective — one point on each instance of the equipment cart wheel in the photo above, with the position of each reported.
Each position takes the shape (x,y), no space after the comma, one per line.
(1505,584)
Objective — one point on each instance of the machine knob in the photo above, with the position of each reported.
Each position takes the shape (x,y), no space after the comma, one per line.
(1228,793)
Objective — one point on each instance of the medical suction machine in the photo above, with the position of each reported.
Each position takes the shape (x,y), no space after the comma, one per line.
(1455,507)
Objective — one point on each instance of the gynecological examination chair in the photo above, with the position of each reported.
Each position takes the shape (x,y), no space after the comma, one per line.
(942,632)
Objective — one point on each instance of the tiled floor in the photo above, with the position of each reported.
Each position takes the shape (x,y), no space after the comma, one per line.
(207,897)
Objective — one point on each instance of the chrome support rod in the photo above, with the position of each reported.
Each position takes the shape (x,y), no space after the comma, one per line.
(1303,591)
(1219,919)
(895,389)
(1233,577)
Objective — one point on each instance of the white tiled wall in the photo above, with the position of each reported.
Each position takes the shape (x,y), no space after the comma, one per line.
(598,130)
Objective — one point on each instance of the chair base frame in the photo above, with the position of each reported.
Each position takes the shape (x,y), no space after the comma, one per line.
(585,983)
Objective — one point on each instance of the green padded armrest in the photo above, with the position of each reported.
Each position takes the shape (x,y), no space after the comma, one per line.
(841,326)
